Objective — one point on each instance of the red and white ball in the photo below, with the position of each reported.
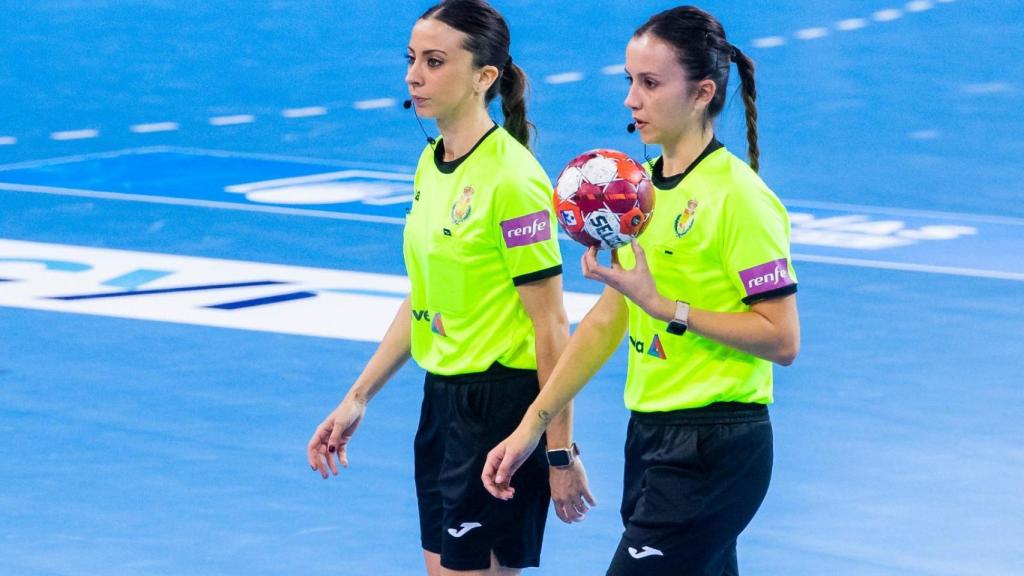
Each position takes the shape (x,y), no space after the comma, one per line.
(603,198)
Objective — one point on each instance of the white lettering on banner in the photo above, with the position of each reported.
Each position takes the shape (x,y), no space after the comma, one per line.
(529,230)
(209,292)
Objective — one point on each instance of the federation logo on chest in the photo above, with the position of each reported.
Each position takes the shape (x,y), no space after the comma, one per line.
(684,221)
(463,207)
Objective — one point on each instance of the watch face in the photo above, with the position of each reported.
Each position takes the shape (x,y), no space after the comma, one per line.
(676,328)
(558,458)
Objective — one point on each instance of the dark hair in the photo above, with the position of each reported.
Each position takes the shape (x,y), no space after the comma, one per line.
(704,53)
(488,39)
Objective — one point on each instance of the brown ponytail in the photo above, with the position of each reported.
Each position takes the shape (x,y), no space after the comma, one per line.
(488,38)
(514,86)
(745,67)
(705,53)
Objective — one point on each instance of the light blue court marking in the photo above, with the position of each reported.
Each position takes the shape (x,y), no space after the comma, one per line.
(133,280)
(56,265)
(224,180)
(838,234)
(358,292)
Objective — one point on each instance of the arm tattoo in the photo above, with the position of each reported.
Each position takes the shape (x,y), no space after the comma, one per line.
(544,416)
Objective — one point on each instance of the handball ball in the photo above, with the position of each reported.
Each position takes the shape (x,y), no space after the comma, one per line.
(603,198)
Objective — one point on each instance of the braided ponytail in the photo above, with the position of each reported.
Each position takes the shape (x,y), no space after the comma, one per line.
(745,67)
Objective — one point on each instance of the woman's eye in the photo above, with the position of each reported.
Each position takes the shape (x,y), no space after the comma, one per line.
(434,62)
(629,79)
(409,59)
(650,84)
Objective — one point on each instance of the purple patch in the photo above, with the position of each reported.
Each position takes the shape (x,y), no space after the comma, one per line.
(526,230)
(766,277)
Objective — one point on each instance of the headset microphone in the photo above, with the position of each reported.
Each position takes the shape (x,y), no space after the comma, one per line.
(631,127)
(407,104)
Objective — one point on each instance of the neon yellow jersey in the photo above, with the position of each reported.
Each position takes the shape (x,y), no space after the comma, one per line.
(478,227)
(719,239)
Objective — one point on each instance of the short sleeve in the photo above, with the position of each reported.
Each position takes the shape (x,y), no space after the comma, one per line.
(755,246)
(525,228)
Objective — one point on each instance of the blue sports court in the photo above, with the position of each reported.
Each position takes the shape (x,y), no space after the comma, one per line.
(201,210)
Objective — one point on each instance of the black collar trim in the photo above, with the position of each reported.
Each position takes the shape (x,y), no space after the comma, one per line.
(667,183)
(452,165)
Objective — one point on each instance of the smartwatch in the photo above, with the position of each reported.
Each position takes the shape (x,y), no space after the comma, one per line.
(563,457)
(680,321)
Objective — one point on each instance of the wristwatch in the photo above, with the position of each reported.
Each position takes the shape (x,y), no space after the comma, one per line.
(563,457)
(680,322)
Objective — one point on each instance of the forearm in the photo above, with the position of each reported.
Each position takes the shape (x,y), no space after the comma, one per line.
(589,348)
(748,332)
(551,341)
(391,354)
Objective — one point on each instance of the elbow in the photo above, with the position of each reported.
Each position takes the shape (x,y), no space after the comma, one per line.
(787,352)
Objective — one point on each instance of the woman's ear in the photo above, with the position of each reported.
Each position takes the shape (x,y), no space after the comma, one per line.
(705,92)
(486,76)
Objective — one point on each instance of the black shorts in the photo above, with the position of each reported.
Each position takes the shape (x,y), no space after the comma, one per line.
(693,481)
(463,417)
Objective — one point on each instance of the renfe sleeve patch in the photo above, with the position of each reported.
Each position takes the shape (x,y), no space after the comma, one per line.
(766,277)
(526,230)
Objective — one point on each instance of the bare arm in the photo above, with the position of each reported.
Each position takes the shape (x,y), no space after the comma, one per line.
(542,300)
(543,303)
(328,446)
(392,353)
(594,341)
(589,348)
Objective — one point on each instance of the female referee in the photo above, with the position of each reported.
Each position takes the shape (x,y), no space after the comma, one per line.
(708,297)
(484,316)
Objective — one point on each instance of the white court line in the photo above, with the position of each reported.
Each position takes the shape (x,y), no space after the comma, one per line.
(307,112)
(155,127)
(909,267)
(8,140)
(314,178)
(919,6)
(80,158)
(789,202)
(851,24)
(769,42)
(564,78)
(283,158)
(213,153)
(374,104)
(924,135)
(74,134)
(982,218)
(811,33)
(856,262)
(200,203)
(986,88)
(614,69)
(887,15)
(232,120)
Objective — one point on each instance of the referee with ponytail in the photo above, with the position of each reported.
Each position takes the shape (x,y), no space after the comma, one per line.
(708,297)
(484,317)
